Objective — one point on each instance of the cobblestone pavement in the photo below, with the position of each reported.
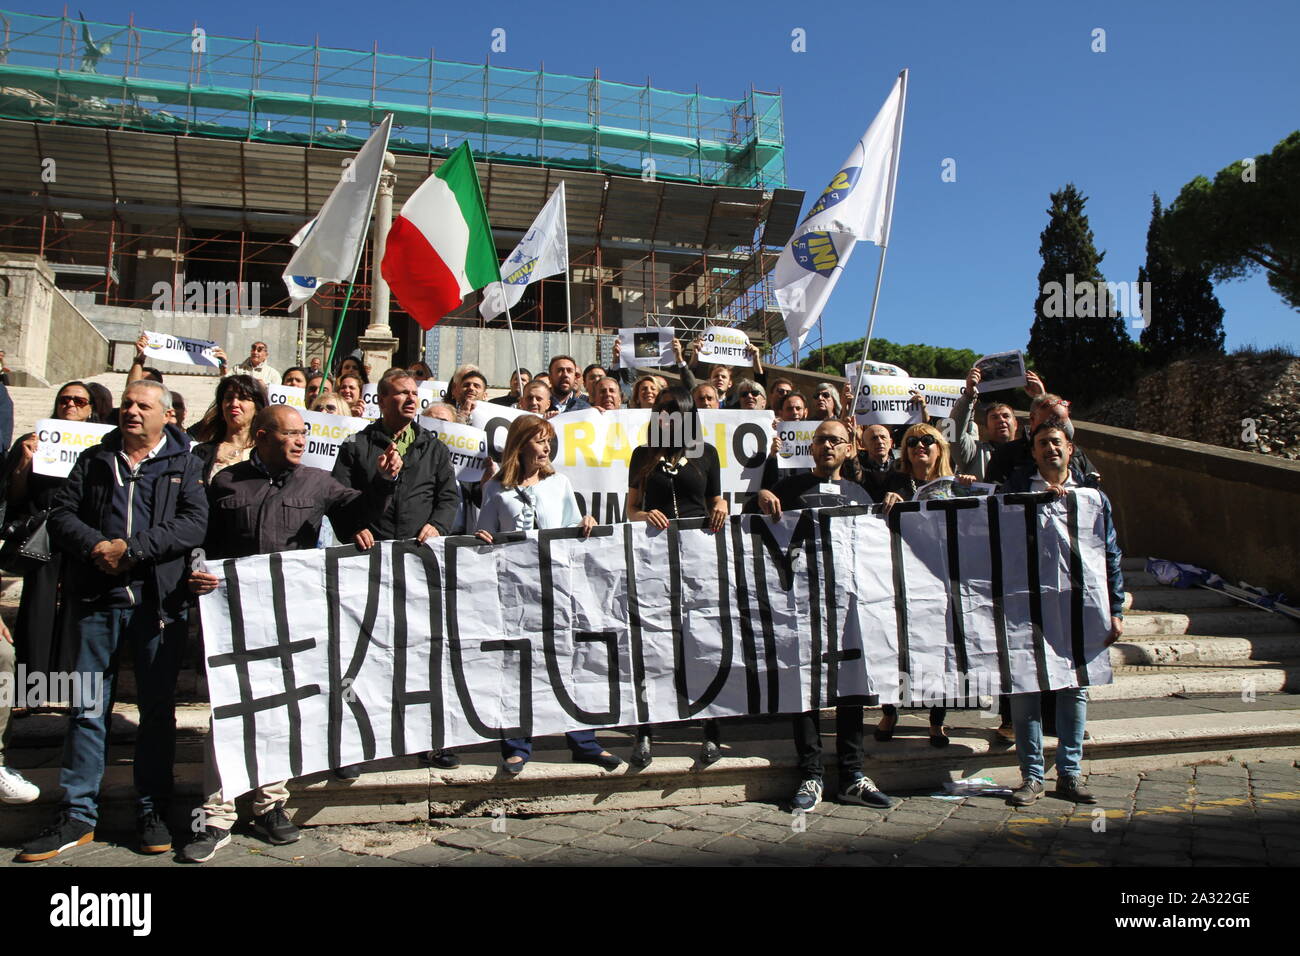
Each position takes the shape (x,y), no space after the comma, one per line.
(1211,815)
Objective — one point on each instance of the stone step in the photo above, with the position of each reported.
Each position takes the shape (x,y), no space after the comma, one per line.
(1244,677)
(1175,599)
(1209,621)
(751,769)
(1202,649)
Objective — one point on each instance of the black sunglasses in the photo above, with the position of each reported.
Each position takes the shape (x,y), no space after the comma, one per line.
(926,440)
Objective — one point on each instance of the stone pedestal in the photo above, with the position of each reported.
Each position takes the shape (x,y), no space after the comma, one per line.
(379,351)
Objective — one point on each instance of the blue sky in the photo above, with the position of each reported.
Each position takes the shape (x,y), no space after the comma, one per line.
(1011,91)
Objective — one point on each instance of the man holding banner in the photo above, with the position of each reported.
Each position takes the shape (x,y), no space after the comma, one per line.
(832,445)
(426,501)
(266,505)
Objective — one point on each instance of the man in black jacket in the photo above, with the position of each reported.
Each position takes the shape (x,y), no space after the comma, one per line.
(131,511)
(426,499)
(1018,453)
(266,504)
(424,504)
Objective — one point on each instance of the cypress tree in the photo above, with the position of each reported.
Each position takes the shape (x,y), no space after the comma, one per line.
(1078,340)
(1185,317)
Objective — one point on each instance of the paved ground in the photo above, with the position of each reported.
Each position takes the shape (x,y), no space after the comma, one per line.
(1207,816)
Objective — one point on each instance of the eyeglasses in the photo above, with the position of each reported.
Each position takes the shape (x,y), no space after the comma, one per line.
(926,440)
(1060,401)
(828,440)
(294,432)
(74,400)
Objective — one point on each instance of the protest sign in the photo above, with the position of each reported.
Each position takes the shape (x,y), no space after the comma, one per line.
(495,421)
(357,656)
(59,444)
(179,349)
(720,345)
(796,444)
(431,392)
(887,399)
(466,445)
(872,368)
(370,401)
(1001,370)
(943,488)
(324,435)
(646,348)
(287,395)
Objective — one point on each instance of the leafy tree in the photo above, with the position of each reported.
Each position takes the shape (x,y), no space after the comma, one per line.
(923,361)
(1247,219)
(1185,317)
(1077,339)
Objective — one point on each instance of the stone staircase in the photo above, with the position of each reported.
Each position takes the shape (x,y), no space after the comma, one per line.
(1198,678)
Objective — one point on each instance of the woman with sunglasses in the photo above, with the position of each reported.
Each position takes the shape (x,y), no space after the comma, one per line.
(528,493)
(675,475)
(44,636)
(924,458)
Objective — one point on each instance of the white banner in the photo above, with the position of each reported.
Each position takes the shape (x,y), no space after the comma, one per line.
(357,656)
(887,399)
(724,346)
(646,348)
(179,349)
(466,445)
(59,444)
(287,395)
(1001,370)
(324,435)
(431,392)
(873,368)
(796,444)
(495,420)
(370,399)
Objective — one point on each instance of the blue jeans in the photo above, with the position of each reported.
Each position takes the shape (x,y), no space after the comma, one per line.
(1071,715)
(582,743)
(157,652)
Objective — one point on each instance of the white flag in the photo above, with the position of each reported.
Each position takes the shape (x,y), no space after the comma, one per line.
(301,288)
(331,251)
(855,206)
(544,251)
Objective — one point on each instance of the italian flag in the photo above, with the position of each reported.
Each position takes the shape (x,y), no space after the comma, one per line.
(440,248)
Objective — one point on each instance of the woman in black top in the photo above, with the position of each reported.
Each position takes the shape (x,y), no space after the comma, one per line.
(44,635)
(675,475)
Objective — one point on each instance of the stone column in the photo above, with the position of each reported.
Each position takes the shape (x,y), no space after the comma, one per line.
(378,342)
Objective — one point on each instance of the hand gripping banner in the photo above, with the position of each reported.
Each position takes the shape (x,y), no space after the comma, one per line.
(318,659)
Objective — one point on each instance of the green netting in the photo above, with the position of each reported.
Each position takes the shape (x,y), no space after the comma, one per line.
(57,68)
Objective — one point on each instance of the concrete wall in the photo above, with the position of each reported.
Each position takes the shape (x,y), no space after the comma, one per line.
(46,338)
(1234,513)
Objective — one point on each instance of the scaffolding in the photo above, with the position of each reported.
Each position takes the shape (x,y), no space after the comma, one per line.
(120,76)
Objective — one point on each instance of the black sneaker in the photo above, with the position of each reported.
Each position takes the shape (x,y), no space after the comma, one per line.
(274,824)
(808,795)
(1069,788)
(1028,791)
(442,759)
(862,792)
(205,846)
(153,832)
(63,834)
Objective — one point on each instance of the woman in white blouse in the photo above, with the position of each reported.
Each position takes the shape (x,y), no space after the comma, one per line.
(526,494)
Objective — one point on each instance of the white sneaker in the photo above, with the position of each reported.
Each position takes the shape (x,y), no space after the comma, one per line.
(15,788)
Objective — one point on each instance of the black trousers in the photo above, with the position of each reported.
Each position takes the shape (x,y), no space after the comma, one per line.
(848,741)
(709,725)
(937,714)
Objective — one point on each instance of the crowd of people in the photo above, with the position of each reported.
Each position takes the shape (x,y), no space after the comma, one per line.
(106,553)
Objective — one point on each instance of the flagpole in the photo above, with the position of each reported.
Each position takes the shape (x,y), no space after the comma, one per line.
(568,310)
(338,330)
(302,342)
(514,347)
(889,222)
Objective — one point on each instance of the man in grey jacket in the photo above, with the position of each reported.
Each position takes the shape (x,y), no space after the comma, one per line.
(266,504)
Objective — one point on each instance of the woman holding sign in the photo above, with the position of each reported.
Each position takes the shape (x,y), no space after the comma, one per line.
(528,493)
(45,639)
(225,434)
(925,458)
(676,475)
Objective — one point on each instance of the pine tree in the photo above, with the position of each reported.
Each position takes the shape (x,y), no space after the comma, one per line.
(1078,340)
(1185,315)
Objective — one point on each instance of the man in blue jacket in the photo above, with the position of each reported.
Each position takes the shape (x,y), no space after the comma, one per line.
(1052,451)
(131,511)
